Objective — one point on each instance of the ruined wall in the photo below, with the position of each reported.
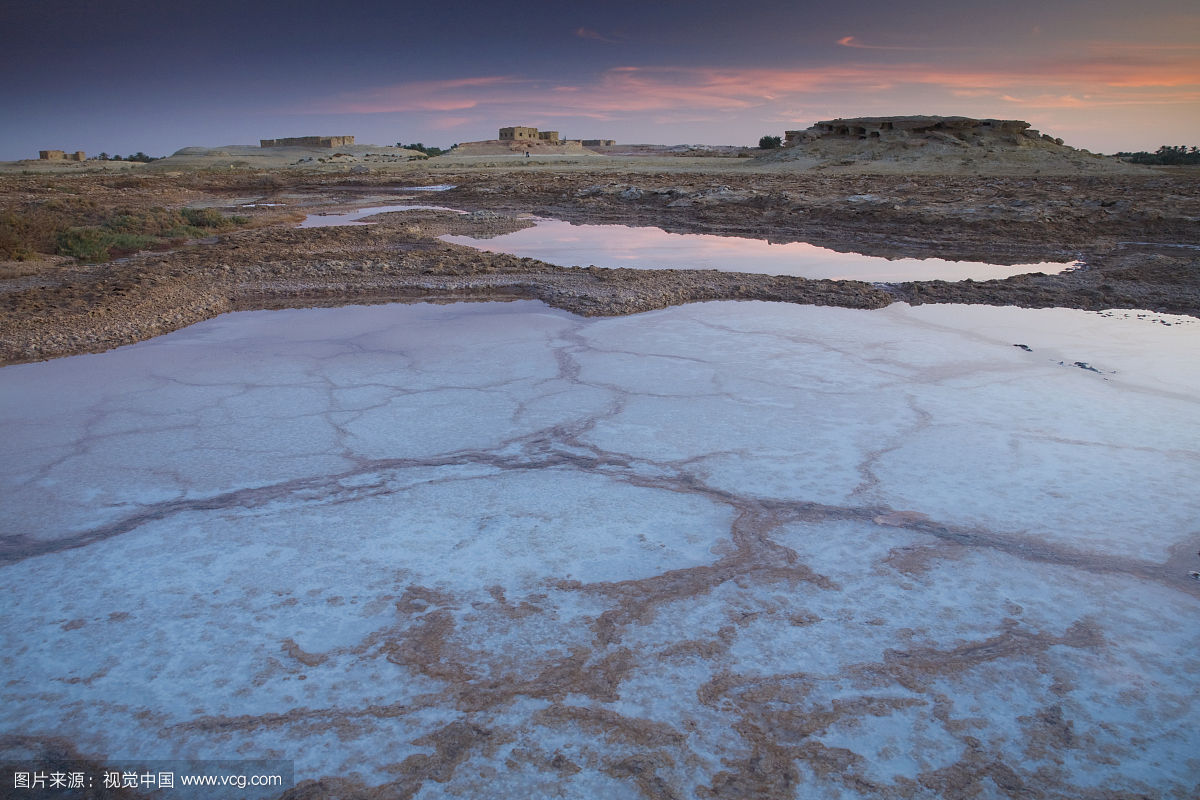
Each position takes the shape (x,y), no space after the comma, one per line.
(59,155)
(548,136)
(308,141)
(598,142)
(518,132)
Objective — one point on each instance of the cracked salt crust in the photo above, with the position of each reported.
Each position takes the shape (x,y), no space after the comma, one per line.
(721,550)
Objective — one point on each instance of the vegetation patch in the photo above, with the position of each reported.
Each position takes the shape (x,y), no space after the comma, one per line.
(1165,155)
(99,244)
(421,148)
(75,227)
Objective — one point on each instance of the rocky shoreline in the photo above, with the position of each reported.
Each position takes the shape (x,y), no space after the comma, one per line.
(1104,222)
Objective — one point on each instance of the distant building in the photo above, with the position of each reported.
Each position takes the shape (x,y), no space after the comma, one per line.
(308,141)
(525,134)
(59,155)
(519,133)
(527,139)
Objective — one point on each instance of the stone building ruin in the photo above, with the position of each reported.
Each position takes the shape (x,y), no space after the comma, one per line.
(957,130)
(308,141)
(521,133)
(525,139)
(518,133)
(59,155)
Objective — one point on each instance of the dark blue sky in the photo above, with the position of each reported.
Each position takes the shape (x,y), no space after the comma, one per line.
(132,75)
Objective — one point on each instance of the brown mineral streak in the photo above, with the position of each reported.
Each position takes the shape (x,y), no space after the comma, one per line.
(777,735)
(307,659)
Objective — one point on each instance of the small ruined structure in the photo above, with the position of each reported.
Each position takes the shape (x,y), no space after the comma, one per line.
(308,141)
(527,134)
(526,139)
(518,133)
(962,129)
(59,155)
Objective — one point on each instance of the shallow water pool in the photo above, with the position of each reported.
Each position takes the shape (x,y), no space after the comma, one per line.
(568,244)
(357,216)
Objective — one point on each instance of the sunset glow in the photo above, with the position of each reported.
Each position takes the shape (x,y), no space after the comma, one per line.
(1107,79)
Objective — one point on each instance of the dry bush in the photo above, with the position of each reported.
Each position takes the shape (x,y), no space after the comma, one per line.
(76,227)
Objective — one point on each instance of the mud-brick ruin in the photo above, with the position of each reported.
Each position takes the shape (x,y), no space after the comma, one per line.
(527,139)
(308,141)
(520,133)
(956,129)
(60,155)
(526,134)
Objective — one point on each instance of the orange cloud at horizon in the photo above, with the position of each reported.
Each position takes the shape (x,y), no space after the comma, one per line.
(1090,81)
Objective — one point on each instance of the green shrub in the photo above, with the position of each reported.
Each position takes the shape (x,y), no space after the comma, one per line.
(123,244)
(769,142)
(86,244)
(95,244)
(205,218)
(181,232)
(77,227)
(150,222)
(35,228)
(13,246)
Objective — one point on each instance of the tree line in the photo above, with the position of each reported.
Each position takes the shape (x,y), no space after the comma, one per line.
(138,156)
(1167,154)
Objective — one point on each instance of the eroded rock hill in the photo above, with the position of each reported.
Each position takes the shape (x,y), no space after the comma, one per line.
(930,144)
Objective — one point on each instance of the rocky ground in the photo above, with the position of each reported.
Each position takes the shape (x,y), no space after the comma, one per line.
(1138,235)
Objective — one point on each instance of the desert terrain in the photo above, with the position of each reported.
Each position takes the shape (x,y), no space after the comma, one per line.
(1134,229)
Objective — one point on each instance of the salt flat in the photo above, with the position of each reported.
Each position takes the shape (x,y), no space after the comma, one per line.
(721,550)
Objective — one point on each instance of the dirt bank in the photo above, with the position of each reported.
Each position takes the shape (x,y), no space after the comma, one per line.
(60,309)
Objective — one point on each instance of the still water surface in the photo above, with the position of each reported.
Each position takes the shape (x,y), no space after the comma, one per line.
(569,245)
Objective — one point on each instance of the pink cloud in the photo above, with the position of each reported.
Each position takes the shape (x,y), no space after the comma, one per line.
(596,36)
(852,41)
(446,95)
(446,123)
(1066,80)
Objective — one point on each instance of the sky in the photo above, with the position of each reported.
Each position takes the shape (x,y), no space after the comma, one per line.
(122,76)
